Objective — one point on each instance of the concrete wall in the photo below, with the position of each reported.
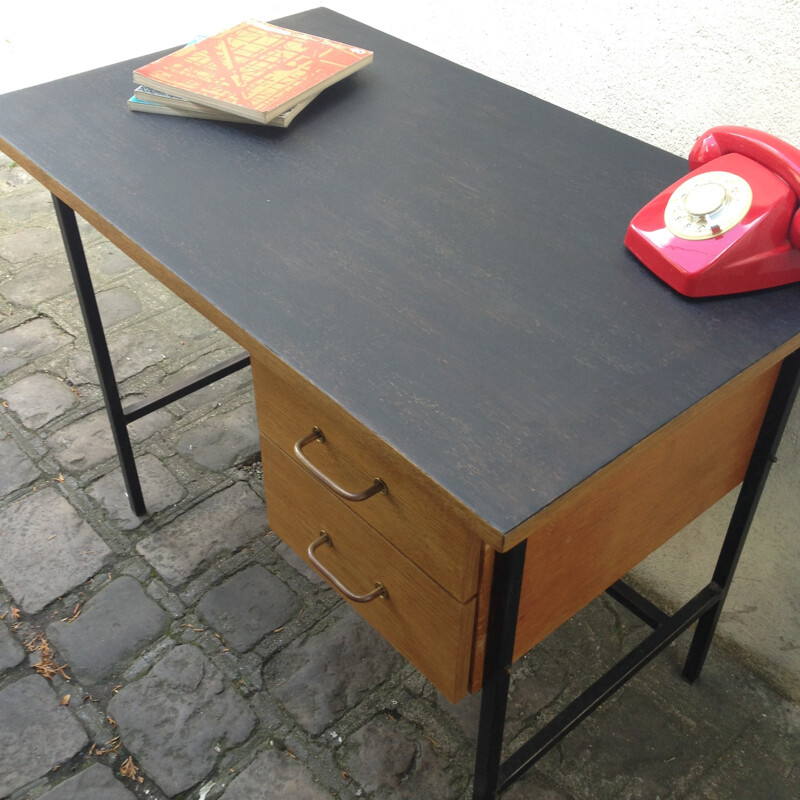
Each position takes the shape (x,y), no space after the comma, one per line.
(663,72)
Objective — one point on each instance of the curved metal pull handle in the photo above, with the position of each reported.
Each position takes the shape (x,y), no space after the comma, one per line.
(324,538)
(354,497)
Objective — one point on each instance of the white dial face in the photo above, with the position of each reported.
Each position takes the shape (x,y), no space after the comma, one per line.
(707,205)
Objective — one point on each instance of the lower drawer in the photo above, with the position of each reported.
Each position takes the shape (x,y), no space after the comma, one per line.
(425,623)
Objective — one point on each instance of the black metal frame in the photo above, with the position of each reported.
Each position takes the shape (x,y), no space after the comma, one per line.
(491,775)
(118,416)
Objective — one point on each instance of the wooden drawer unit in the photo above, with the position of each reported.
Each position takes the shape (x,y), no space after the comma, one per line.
(414,514)
(428,626)
(430,557)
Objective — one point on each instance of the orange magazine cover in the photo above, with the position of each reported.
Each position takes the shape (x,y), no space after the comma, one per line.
(255,70)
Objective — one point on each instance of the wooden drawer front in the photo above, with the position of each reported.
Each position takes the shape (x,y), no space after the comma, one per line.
(415,514)
(429,627)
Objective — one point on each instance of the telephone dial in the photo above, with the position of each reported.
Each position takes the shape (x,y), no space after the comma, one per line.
(732,225)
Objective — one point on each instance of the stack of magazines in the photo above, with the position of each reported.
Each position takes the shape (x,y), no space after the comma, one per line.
(254,72)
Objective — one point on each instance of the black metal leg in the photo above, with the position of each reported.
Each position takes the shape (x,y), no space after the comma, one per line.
(118,416)
(97,341)
(611,681)
(503,612)
(492,775)
(766,446)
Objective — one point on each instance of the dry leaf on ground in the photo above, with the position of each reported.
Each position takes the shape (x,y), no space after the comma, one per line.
(130,770)
(46,665)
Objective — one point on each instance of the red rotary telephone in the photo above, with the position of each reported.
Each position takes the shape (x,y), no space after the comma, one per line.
(733,225)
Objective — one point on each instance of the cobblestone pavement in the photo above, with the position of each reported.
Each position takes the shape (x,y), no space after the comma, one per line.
(189,654)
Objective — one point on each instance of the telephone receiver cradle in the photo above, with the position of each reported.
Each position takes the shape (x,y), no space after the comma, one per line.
(733,224)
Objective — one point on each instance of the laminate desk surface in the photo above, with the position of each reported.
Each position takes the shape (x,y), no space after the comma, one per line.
(439,253)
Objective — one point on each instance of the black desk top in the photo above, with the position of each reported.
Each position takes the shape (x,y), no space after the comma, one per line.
(438,252)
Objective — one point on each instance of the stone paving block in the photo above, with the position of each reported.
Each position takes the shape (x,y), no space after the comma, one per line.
(112,628)
(144,345)
(88,442)
(16,469)
(109,259)
(11,653)
(36,733)
(600,633)
(39,399)
(23,244)
(295,561)
(28,341)
(46,549)
(178,718)
(247,606)
(528,695)
(239,381)
(96,782)
(132,351)
(188,326)
(117,304)
(160,488)
(630,748)
(221,524)
(38,282)
(223,439)
(275,775)
(83,444)
(323,675)
(390,759)
(20,207)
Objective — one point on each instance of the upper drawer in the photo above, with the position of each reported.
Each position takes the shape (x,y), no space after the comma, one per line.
(414,513)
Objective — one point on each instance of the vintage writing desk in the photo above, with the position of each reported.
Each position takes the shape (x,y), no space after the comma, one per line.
(489,407)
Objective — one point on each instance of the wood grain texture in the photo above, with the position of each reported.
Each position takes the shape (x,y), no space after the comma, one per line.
(604,528)
(416,515)
(430,628)
(460,290)
(741,386)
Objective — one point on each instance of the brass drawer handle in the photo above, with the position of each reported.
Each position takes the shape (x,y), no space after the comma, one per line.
(324,538)
(354,497)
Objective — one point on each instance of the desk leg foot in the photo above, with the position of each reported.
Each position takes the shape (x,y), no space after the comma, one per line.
(701,642)
(97,341)
(503,612)
(775,418)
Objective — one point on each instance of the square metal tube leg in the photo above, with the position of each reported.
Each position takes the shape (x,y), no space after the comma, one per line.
(503,612)
(102,359)
(775,418)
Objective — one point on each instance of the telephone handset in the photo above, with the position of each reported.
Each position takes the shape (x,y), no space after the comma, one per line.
(732,225)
